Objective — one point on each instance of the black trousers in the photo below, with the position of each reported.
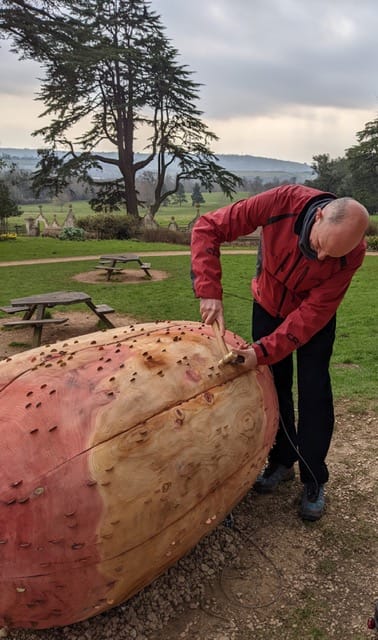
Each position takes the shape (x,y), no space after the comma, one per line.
(310,441)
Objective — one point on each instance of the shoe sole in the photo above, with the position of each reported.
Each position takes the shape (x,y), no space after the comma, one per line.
(311,517)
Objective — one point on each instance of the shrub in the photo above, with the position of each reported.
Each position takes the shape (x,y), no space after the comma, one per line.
(72,233)
(372,243)
(162,234)
(372,229)
(8,236)
(109,227)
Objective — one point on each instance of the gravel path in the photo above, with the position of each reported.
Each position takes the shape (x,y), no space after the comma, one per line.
(142,254)
(271,576)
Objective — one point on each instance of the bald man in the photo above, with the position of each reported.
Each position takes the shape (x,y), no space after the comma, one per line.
(311,245)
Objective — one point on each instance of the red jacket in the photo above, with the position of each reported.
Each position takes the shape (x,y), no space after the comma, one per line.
(305,293)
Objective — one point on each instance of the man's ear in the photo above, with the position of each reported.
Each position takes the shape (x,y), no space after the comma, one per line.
(319,214)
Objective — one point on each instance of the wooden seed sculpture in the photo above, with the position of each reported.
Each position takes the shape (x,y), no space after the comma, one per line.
(119,451)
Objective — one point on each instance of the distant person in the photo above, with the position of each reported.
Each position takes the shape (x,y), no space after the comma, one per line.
(311,245)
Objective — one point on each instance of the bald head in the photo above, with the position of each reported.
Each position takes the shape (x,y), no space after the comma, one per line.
(340,209)
(338,228)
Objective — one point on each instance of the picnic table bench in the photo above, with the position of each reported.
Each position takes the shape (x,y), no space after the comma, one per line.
(110,263)
(34,308)
(11,309)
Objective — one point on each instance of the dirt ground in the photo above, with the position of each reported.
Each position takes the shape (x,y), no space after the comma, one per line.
(126,276)
(285,579)
(293,580)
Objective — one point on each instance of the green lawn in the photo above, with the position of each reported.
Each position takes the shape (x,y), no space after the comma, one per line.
(24,248)
(354,368)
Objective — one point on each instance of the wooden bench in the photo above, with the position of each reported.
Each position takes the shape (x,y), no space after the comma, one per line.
(146,266)
(103,308)
(42,321)
(106,265)
(109,270)
(14,309)
(104,268)
(37,324)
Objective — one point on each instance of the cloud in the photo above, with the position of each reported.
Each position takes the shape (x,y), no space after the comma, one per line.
(256,57)
(284,78)
(296,134)
(17,77)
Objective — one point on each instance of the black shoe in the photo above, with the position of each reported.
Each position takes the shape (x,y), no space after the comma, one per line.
(272,476)
(312,502)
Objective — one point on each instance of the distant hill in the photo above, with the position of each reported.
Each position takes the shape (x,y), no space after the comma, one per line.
(245,166)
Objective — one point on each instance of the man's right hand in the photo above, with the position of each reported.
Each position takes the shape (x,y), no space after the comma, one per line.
(211,310)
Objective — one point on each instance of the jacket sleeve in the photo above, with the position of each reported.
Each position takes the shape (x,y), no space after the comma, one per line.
(224,225)
(311,316)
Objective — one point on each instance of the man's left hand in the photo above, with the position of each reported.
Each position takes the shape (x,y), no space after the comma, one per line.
(249,355)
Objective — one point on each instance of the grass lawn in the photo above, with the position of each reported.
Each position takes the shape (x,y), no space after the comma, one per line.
(24,248)
(354,367)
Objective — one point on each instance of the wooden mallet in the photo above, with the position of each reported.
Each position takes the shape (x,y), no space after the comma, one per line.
(228,357)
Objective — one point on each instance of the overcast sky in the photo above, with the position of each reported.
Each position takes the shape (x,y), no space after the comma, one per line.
(283,79)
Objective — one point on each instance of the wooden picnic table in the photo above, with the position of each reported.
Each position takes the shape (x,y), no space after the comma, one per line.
(35,308)
(111,261)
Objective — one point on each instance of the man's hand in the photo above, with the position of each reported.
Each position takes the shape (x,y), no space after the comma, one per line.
(249,355)
(211,309)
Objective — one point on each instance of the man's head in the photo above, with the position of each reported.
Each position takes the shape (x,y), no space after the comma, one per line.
(338,228)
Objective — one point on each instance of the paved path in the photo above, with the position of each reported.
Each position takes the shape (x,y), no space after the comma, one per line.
(143,254)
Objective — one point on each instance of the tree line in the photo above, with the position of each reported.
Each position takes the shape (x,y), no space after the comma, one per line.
(16,190)
(356,173)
